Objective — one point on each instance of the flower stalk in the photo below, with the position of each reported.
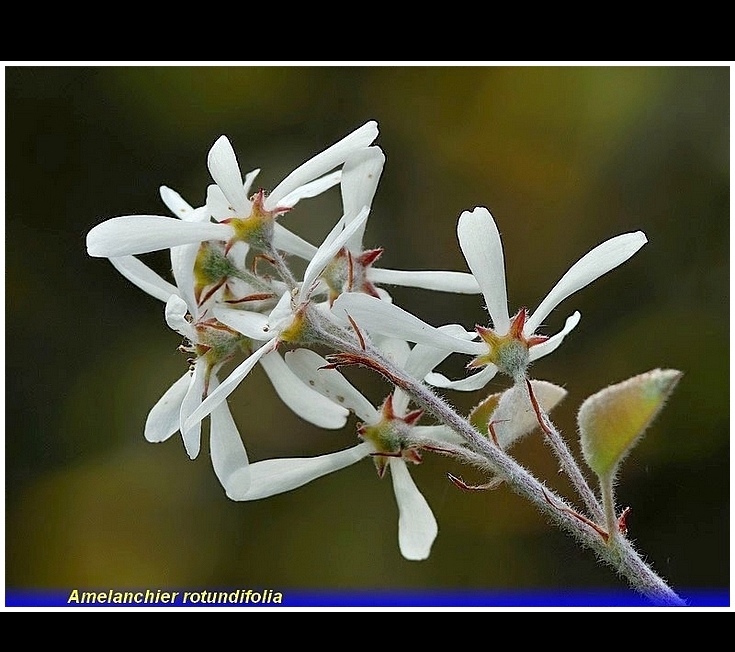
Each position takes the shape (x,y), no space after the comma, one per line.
(623,557)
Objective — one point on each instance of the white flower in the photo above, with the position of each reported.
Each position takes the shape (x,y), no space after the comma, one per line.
(390,436)
(510,345)
(387,438)
(211,344)
(225,444)
(137,234)
(285,323)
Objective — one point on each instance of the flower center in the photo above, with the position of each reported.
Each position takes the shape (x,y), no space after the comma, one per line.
(391,436)
(347,272)
(508,352)
(257,228)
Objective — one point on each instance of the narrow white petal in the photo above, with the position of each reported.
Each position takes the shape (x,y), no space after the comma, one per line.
(423,359)
(360,177)
(328,250)
(238,253)
(283,312)
(225,171)
(226,447)
(219,207)
(182,267)
(591,266)
(384,318)
(164,418)
(316,187)
(175,202)
(140,234)
(144,277)
(324,162)
(396,350)
(250,324)
(480,242)
(401,401)
(176,310)
(469,384)
(300,398)
(191,430)
(540,350)
(271,477)
(291,243)
(229,385)
(307,365)
(459,282)
(249,178)
(439,436)
(417,526)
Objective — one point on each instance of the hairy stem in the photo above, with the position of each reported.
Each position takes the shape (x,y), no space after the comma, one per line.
(608,502)
(565,457)
(622,557)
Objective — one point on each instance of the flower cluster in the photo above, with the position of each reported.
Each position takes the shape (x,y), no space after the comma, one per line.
(233,297)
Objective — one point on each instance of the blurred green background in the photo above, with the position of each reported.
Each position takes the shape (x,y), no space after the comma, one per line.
(564,157)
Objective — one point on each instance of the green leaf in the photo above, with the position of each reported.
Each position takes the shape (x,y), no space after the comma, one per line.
(482,413)
(613,420)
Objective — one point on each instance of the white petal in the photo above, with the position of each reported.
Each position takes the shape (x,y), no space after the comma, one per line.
(191,430)
(182,267)
(469,384)
(225,446)
(144,277)
(307,365)
(480,242)
(360,176)
(238,253)
(322,163)
(387,319)
(417,526)
(591,266)
(289,242)
(459,282)
(249,178)
(218,205)
(282,314)
(176,310)
(438,435)
(316,187)
(271,477)
(336,239)
(397,351)
(229,385)
(225,171)
(540,350)
(299,397)
(175,202)
(164,418)
(423,359)
(250,324)
(139,234)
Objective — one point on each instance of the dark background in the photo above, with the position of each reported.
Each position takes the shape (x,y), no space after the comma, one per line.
(564,157)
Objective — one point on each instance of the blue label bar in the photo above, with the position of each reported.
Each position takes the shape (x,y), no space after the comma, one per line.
(275,598)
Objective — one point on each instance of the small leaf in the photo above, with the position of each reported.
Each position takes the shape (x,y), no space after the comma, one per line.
(483,411)
(612,421)
(511,412)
